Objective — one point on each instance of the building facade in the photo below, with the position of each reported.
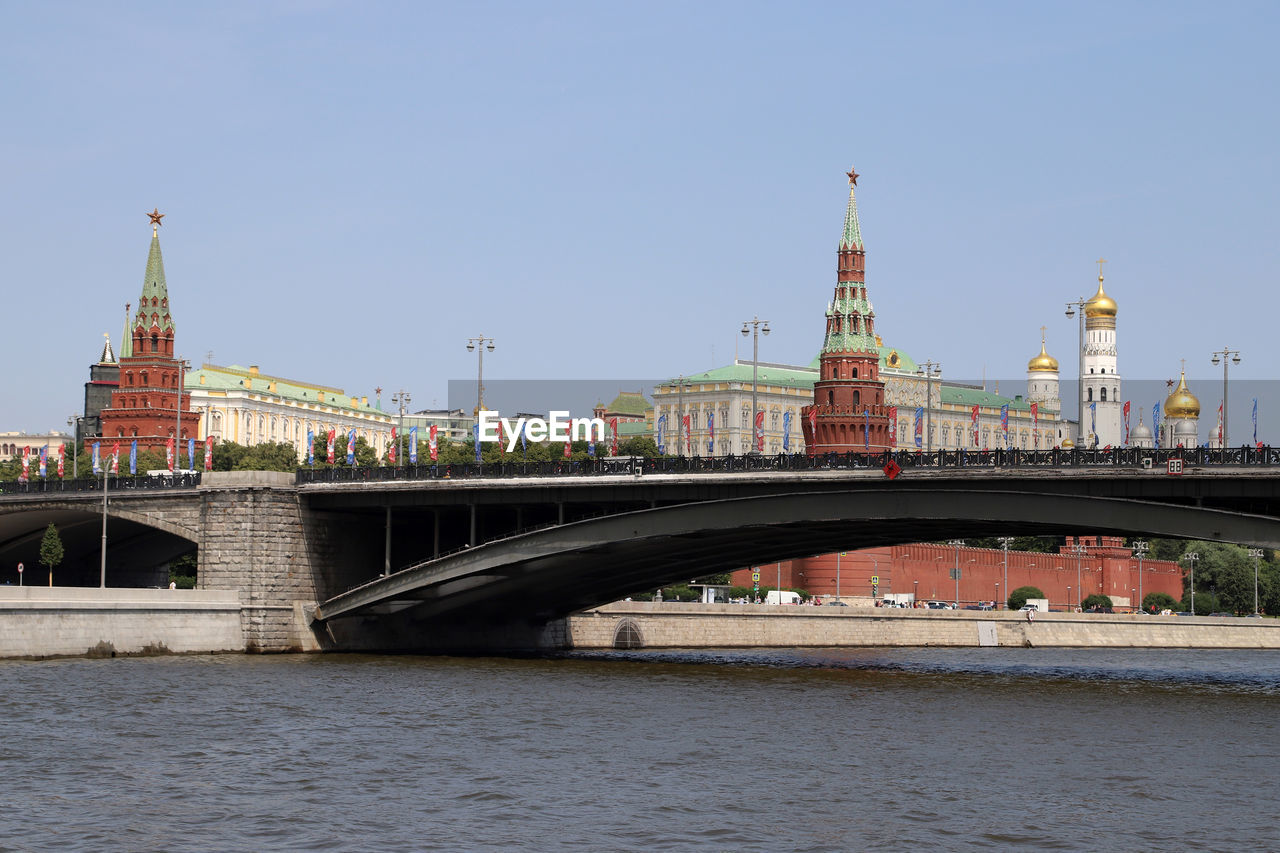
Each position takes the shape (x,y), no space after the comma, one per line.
(1102,418)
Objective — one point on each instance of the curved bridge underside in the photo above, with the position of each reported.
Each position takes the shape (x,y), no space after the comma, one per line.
(546,574)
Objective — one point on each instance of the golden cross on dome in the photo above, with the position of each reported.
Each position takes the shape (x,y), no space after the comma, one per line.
(156,216)
(1043,329)
(1101,261)
(853,177)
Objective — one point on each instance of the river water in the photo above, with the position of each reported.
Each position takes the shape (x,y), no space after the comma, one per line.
(814,750)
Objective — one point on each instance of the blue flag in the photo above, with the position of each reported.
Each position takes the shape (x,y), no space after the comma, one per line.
(97,468)
(1093,420)
(133,457)
(413,445)
(866,428)
(919,427)
(191,453)
(662,446)
(1155,424)
(475,434)
(311,448)
(351,447)
(711,433)
(1255,421)
(524,441)
(786,431)
(1004,423)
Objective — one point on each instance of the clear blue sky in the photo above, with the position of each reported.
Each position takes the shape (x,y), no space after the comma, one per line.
(609,190)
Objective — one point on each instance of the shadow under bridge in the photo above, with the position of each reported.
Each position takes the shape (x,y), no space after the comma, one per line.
(545,574)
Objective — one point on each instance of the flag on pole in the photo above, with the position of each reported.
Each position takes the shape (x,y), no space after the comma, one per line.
(973,417)
(1035,425)
(311,448)
(97,465)
(62,456)
(413,444)
(115,459)
(1093,419)
(44,462)
(1126,421)
(866,429)
(1004,423)
(331,437)
(431,444)
(568,446)
(760,431)
(1255,427)
(662,427)
(1220,425)
(133,458)
(893,427)
(391,451)
(524,441)
(1155,424)
(688,435)
(168,454)
(475,436)
(813,424)
(613,429)
(919,427)
(786,432)
(26,463)
(351,447)
(711,434)
(208,452)
(191,453)
(502,442)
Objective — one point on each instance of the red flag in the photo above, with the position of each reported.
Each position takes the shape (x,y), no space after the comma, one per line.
(893,426)
(613,444)
(431,444)
(391,451)
(331,436)
(813,424)
(502,445)
(760,430)
(1126,421)
(62,454)
(568,447)
(115,459)
(208,453)
(688,436)
(26,464)
(975,426)
(168,455)
(892,469)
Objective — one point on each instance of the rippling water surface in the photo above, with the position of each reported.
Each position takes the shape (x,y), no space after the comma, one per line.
(809,750)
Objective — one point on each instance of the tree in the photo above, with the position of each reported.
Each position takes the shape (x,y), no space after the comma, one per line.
(182,571)
(1019,596)
(1096,600)
(51,551)
(1154,602)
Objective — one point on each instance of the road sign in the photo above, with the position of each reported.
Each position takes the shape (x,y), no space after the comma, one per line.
(955,574)
(1175,466)
(875,579)
(20,568)
(755,577)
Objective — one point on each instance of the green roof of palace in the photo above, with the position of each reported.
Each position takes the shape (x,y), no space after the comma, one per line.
(629,403)
(238,378)
(966,396)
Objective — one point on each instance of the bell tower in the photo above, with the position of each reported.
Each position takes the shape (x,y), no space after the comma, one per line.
(848,413)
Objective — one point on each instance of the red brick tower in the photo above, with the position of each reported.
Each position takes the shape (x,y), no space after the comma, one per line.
(146,405)
(848,412)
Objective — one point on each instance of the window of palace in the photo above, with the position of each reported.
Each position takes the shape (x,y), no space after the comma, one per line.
(1104,394)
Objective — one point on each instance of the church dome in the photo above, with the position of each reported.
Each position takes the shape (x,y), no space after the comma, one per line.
(1182,403)
(1043,363)
(1141,432)
(1067,444)
(1101,305)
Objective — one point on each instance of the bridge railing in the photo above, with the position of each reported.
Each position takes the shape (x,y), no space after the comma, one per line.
(118,483)
(1127,457)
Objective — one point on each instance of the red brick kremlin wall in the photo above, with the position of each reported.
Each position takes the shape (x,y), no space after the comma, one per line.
(1108,567)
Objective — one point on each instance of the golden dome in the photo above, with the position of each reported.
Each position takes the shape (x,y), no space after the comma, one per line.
(1043,363)
(1100,305)
(1182,403)
(1067,444)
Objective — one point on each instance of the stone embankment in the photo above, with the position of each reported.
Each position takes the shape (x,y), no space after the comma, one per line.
(679,625)
(44,622)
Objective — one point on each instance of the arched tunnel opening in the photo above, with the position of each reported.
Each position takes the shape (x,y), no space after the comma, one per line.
(137,555)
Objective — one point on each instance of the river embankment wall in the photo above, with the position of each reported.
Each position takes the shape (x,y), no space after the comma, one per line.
(44,622)
(667,625)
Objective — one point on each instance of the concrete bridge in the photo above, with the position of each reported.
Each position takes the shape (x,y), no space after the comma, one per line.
(493,561)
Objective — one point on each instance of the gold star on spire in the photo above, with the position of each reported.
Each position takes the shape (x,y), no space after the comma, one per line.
(156,216)
(853,177)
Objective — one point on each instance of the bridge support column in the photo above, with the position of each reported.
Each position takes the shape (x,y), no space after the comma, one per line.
(519,519)
(435,533)
(471,537)
(559,512)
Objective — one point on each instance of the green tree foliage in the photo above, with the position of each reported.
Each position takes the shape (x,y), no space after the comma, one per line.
(1019,596)
(1036,544)
(1154,602)
(182,571)
(51,551)
(1096,600)
(640,445)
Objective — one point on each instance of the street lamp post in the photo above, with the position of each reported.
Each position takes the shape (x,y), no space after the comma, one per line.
(1071,312)
(1068,596)
(183,364)
(74,423)
(915,594)
(1228,357)
(681,441)
(1004,544)
(1079,549)
(1255,553)
(401,398)
(757,433)
(929,370)
(839,554)
(1141,547)
(956,543)
(1191,557)
(997,598)
(102,579)
(478,345)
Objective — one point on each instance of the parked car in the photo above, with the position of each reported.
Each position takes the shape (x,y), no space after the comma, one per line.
(834,604)
(1100,610)
(940,605)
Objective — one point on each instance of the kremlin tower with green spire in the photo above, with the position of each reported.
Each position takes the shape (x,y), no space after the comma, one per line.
(146,406)
(848,413)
